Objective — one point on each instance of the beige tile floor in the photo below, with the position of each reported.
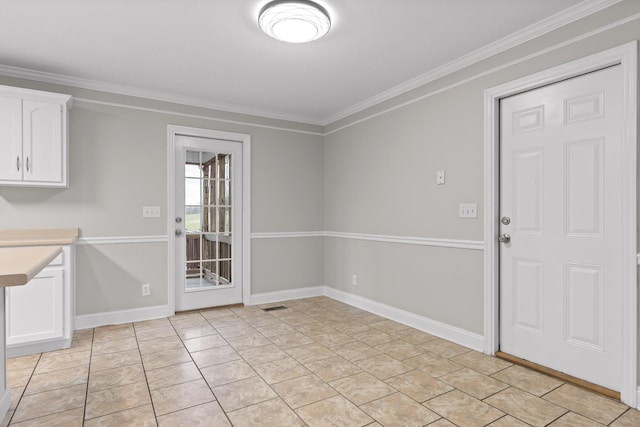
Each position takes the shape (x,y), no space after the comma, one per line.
(317,363)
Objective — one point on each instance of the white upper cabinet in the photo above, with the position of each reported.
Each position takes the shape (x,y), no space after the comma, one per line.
(10,139)
(33,138)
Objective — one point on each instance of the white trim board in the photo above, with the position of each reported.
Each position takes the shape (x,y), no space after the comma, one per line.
(433,327)
(86,321)
(61,79)
(440,329)
(626,56)
(488,72)
(287,234)
(385,238)
(195,116)
(17,350)
(408,240)
(118,240)
(5,400)
(547,25)
(524,35)
(286,295)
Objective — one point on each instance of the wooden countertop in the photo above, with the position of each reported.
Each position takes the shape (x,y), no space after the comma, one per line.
(18,265)
(38,237)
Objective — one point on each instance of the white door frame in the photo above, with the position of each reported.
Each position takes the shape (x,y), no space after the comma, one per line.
(245,140)
(626,56)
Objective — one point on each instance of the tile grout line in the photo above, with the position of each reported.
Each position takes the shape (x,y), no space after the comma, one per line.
(110,368)
(257,373)
(25,388)
(86,394)
(569,410)
(279,396)
(198,367)
(619,416)
(312,373)
(144,371)
(326,317)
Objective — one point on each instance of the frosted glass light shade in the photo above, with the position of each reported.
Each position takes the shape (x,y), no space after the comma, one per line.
(294,21)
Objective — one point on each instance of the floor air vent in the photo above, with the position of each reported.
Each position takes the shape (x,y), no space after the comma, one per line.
(277,307)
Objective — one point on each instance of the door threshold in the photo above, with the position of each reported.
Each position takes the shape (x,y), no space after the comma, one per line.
(559,375)
(219,307)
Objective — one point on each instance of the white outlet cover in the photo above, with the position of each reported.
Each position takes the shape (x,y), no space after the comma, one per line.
(151,211)
(468,210)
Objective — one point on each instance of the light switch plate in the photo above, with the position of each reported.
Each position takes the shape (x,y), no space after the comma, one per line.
(440,177)
(151,212)
(468,210)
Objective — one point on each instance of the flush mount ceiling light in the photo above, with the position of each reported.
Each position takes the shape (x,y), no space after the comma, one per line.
(294,21)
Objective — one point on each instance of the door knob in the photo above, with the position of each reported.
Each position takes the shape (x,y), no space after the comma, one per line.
(178,233)
(504,238)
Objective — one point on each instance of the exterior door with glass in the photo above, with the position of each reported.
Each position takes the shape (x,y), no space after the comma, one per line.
(208,222)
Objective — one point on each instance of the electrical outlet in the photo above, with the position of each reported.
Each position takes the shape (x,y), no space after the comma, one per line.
(146,290)
(468,210)
(151,212)
(354,280)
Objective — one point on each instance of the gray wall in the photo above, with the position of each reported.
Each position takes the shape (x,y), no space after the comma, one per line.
(380,178)
(118,163)
(370,174)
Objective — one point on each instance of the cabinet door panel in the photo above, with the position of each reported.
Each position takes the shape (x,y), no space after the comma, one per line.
(43,145)
(10,139)
(35,310)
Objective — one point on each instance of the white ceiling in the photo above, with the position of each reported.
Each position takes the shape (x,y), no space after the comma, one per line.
(211,52)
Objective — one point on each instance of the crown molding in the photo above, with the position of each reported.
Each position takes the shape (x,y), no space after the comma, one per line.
(565,43)
(60,79)
(195,116)
(553,22)
(546,25)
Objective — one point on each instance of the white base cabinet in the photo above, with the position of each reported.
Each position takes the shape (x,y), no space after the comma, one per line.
(40,314)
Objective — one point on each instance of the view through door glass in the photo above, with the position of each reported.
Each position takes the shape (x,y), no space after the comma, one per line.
(207,217)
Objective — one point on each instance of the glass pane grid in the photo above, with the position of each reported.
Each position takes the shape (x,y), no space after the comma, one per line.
(208,219)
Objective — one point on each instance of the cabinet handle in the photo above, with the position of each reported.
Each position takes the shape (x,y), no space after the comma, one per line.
(27,164)
(18,163)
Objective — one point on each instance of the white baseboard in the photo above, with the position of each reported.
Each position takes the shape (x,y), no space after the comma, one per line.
(289,294)
(5,403)
(433,327)
(16,350)
(442,330)
(86,321)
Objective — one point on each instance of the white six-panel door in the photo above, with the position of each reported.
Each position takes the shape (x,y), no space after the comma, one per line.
(560,200)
